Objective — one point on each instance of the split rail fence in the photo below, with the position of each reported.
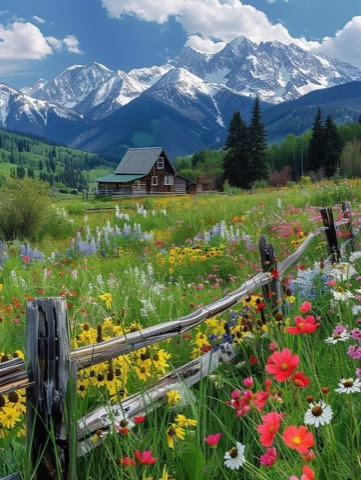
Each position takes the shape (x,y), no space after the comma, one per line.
(50,373)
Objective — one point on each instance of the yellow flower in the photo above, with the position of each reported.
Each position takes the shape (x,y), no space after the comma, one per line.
(173,397)
(1,287)
(107,298)
(9,416)
(174,432)
(290,299)
(183,421)
(165,475)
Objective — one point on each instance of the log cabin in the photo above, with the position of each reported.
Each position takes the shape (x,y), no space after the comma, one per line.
(145,171)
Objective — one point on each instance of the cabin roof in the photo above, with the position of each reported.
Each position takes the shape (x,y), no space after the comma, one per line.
(139,160)
(118,178)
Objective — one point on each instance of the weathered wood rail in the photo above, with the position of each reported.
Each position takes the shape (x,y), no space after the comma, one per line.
(50,374)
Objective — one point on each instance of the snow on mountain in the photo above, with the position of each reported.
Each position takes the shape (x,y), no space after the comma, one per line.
(112,94)
(72,85)
(149,75)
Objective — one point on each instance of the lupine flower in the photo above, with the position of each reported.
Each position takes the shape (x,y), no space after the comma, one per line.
(282,364)
(269,458)
(303,325)
(298,438)
(269,428)
(300,380)
(234,458)
(145,457)
(213,439)
(348,385)
(318,414)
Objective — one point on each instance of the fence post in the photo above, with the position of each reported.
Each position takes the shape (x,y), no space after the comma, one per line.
(48,416)
(346,209)
(331,235)
(271,292)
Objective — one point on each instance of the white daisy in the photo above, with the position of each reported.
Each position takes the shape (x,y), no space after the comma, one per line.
(338,337)
(234,458)
(318,414)
(342,296)
(347,385)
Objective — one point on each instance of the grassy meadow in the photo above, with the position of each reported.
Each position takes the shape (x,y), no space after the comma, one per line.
(287,407)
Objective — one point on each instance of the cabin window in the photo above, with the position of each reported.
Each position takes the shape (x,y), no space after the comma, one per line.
(154,181)
(160,163)
(168,180)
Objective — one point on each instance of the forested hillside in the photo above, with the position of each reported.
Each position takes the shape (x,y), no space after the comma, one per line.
(25,156)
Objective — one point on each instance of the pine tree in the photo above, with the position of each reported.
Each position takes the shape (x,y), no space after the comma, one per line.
(332,147)
(258,144)
(236,163)
(316,150)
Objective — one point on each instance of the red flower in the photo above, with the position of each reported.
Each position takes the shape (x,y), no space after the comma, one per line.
(304,325)
(253,360)
(261,397)
(275,273)
(309,456)
(145,457)
(269,428)
(139,419)
(305,307)
(282,364)
(308,473)
(298,438)
(300,380)
(128,462)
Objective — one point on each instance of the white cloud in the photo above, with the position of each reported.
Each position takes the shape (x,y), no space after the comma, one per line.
(346,44)
(220,20)
(72,44)
(210,23)
(25,41)
(38,19)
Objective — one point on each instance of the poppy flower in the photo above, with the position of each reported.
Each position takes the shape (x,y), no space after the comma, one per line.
(213,439)
(145,457)
(298,438)
(303,325)
(305,307)
(282,364)
(269,458)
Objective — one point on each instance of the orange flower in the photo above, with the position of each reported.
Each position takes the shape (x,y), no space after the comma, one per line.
(298,438)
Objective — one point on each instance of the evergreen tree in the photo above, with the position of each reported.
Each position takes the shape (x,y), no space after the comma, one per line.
(258,144)
(236,165)
(332,147)
(316,150)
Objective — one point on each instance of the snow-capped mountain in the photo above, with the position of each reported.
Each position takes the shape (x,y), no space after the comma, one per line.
(24,113)
(273,71)
(72,85)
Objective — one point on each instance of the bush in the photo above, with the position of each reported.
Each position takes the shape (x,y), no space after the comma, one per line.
(24,208)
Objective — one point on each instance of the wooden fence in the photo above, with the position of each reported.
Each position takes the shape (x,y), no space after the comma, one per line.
(50,374)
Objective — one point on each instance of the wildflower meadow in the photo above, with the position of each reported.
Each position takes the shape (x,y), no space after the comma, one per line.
(287,403)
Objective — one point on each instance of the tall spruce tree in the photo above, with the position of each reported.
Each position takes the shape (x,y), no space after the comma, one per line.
(257,144)
(332,147)
(316,149)
(236,165)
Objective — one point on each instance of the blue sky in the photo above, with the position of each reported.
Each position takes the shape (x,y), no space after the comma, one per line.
(40,38)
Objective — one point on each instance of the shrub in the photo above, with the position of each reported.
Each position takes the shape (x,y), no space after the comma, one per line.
(24,208)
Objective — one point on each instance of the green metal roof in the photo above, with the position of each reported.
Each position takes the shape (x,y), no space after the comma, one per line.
(113,178)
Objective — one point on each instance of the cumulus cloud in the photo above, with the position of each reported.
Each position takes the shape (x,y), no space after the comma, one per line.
(211,20)
(211,23)
(346,44)
(25,41)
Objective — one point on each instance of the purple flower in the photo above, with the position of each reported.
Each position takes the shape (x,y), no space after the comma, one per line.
(354,352)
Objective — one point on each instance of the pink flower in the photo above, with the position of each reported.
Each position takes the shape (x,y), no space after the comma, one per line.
(248,382)
(269,458)
(305,307)
(262,396)
(331,283)
(272,346)
(145,457)
(213,439)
